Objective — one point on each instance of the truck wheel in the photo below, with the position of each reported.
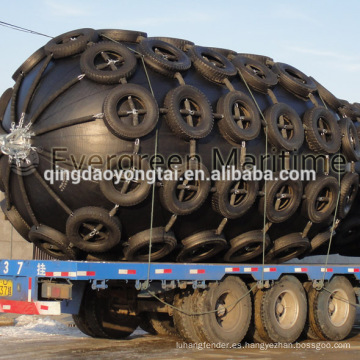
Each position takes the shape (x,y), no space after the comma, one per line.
(231,321)
(308,332)
(80,319)
(211,64)
(131,111)
(331,313)
(201,246)
(189,113)
(240,120)
(81,324)
(158,324)
(256,74)
(182,197)
(92,229)
(103,319)
(321,197)
(127,192)
(163,57)
(233,199)
(247,246)
(52,242)
(107,62)
(286,248)
(349,187)
(70,43)
(350,141)
(283,198)
(284,126)
(294,80)
(257,331)
(284,310)
(185,303)
(138,245)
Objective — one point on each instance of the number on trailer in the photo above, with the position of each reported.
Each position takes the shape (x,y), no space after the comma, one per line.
(20,263)
(6,270)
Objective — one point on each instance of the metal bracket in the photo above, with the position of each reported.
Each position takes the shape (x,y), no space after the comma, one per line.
(199,284)
(99,285)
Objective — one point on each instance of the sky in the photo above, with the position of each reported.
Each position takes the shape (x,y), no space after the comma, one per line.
(319,37)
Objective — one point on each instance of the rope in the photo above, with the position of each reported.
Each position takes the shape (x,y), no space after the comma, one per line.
(333,225)
(340,298)
(19,28)
(265,182)
(232,305)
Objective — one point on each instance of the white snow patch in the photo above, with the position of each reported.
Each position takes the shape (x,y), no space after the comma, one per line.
(34,326)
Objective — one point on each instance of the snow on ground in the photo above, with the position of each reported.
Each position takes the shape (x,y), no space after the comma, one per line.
(34,326)
(31,327)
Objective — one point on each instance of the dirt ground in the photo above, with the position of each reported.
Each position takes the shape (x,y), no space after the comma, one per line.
(55,338)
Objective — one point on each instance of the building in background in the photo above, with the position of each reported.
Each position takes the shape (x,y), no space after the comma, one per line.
(12,245)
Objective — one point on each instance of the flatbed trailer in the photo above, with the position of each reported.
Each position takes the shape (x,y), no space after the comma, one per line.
(166,298)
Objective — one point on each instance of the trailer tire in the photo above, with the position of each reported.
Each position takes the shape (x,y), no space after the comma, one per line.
(286,248)
(228,327)
(335,326)
(201,246)
(320,198)
(132,192)
(282,116)
(350,141)
(103,321)
(210,70)
(240,121)
(164,57)
(138,113)
(349,187)
(159,324)
(283,198)
(320,240)
(184,103)
(284,310)
(256,74)
(232,202)
(317,120)
(247,246)
(178,203)
(52,242)
(62,46)
(109,51)
(121,35)
(260,58)
(259,333)
(182,44)
(186,324)
(87,224)
(163,243)
(294,80)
